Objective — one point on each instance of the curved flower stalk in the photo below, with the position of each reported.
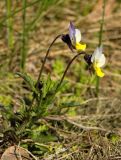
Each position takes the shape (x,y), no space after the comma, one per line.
(68,66)
(97,59)
(73,39)
(42,67)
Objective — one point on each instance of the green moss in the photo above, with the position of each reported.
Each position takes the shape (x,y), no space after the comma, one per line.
(72,112)
(5,100)
(58,66)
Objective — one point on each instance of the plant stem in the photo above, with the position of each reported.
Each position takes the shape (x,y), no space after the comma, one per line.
(36,17)
(69,64)
(24,37)
(9,24)
(15,12)
(43,6)
(42,67)
(102,22)
(100,43)
(45,58)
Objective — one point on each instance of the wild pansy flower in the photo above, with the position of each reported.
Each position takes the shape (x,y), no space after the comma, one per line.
(97,60)
(73,39)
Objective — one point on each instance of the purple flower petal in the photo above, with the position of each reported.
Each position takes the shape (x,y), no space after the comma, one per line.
(71,31)
(66,39)
(87,58)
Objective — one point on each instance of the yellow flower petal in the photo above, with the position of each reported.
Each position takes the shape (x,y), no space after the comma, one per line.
(98,70)
(80,47)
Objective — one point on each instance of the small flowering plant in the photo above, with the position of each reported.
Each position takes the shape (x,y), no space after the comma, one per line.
(43,100)
(45,90)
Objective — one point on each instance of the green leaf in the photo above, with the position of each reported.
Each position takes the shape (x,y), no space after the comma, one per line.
(47,86)
(70,104)
(29,81)
(113,137)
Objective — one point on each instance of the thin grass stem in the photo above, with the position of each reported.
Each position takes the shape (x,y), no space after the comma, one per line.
(100,43)
(15,12)
(9,24)
(24,38)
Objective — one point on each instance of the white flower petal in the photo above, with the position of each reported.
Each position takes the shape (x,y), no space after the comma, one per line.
(94,55)
(98,57)
(77,35)
(102,60)
(97,54)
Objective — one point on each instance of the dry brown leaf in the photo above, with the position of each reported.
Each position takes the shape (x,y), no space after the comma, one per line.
(15,153)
